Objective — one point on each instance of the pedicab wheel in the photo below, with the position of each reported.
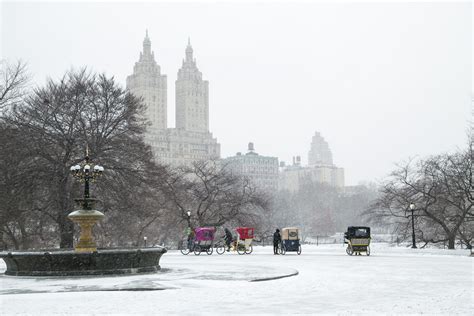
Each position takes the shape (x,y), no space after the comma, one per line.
(197,250)
(368,251)
(349,250)
(249,251)
(185,251)
(299,250)
(241,250)
(283,249)
(220,249)
(209,251)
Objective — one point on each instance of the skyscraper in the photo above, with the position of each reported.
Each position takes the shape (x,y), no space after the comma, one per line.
(320,168)
(191,140)
(148,82)
(319,153)
(192,96)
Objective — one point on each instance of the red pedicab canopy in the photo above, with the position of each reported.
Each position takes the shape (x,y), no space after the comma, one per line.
(204,233)
(245,232)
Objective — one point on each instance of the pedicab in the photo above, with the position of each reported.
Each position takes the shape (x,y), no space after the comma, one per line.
(225,242)
(243,244)
(203,240)
(357,239)
(290,240)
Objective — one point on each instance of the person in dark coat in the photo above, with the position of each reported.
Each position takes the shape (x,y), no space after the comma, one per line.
(191,236)
(276,241)
(228,238)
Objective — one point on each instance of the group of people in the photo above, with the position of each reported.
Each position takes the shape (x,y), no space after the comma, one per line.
(228,238)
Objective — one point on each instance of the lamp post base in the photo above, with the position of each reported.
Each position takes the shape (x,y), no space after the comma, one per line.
(86,219)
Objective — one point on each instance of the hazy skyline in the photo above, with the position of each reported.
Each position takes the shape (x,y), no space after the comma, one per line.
(380,82)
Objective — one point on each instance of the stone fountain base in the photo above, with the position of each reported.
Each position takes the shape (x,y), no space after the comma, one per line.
(73,263)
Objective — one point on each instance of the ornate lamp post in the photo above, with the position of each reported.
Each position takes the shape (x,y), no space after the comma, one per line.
(412,209)
(86,217)
(189,219)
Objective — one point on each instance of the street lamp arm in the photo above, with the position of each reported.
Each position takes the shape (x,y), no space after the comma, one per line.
(86,172)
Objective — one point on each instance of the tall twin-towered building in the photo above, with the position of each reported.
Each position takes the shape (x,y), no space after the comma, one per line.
(190,140)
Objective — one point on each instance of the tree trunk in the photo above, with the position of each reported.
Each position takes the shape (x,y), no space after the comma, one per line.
(451,241)
(12,237)
(25,243)
(3,244)
(66,226)
(66,231)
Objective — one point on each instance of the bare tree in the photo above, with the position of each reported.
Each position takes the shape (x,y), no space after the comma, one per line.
(320,209)
(134,208)
(440,187)
(58,120)
(213,194)
(13,81)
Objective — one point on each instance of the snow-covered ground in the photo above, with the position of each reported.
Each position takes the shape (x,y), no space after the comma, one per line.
(327,281)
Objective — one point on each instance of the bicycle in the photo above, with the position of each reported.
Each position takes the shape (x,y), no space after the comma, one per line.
(186,246)
(220,246)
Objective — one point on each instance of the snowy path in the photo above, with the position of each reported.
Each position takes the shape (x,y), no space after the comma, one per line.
(390,281)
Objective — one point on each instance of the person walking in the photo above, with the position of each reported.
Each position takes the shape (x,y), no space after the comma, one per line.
(276,241)
(228,238)
(191,236)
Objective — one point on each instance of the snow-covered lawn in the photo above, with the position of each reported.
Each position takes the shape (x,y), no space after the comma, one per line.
(390,281)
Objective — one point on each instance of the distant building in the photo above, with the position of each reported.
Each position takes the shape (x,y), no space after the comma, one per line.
(191,140)
(148,83)
(261,170)
(292,177)
(319,154)
(320,168)
(178,147)
(192,96)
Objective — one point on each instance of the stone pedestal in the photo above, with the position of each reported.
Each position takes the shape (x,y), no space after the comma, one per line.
(86,218)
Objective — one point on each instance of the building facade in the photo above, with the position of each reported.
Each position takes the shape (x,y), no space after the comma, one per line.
(192,96)
(191,140)
(319,153)
(294,176)
(262,171)
(148,83)
(177,147)
(320,168)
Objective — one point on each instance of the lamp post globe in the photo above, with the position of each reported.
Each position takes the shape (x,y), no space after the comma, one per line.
(189,219)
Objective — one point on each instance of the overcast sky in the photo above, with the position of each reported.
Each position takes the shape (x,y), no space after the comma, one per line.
(380,81)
